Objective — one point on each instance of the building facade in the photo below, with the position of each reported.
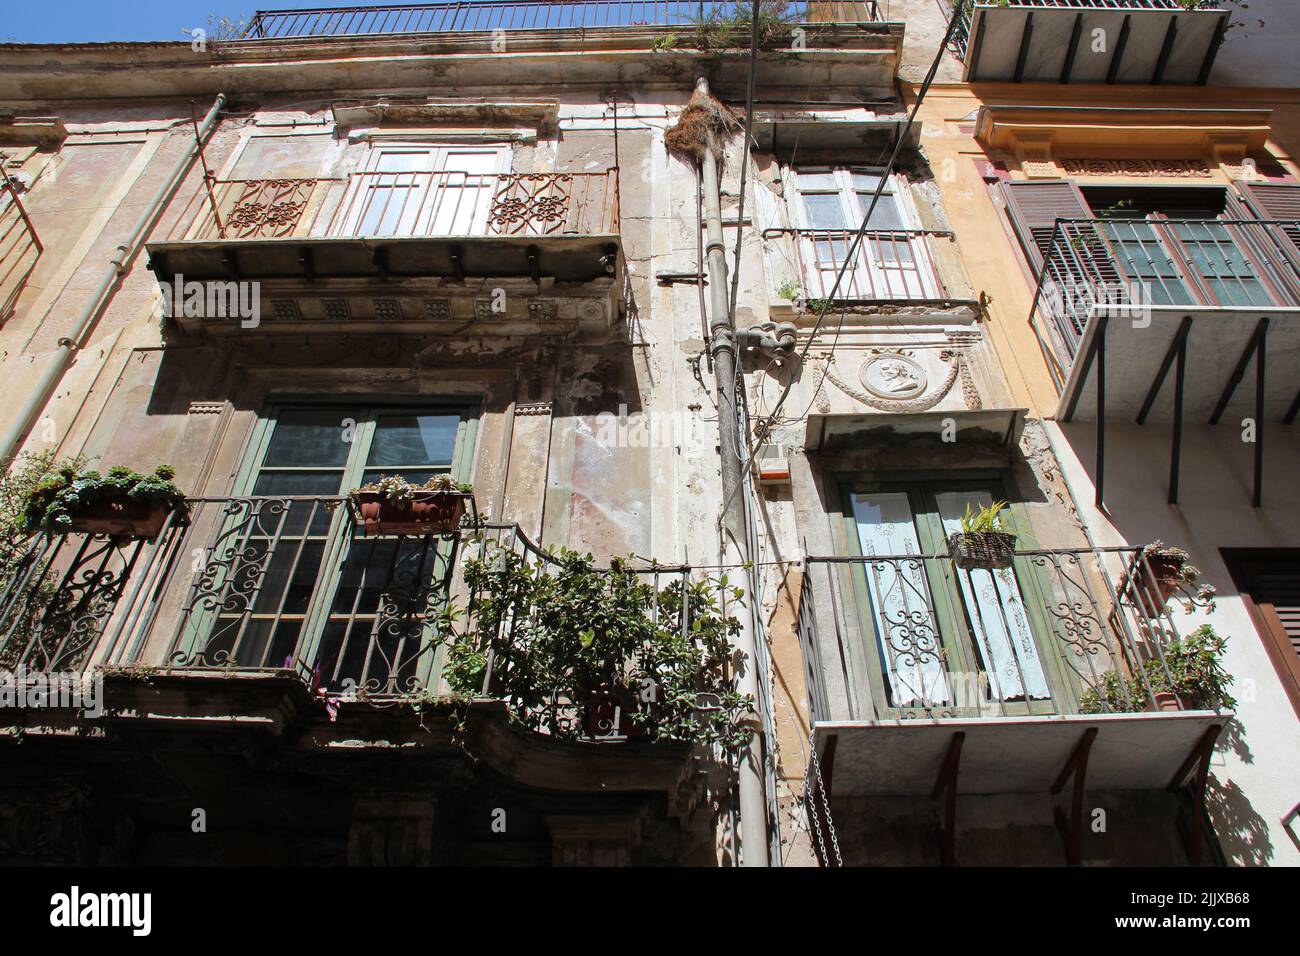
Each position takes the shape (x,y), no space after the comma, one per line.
(534,252)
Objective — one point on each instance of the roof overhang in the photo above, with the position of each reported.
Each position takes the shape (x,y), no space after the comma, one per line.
(1146,751)
(992,426)
(1058,44)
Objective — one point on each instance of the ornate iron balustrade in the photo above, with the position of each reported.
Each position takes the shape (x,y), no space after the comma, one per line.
(525,15)
(888,264)
(20,246)
(1127,265)
(281,584)
(900,636)
(390,205)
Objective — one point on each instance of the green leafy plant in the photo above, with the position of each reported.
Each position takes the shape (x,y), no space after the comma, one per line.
(564,636)
(790,290)
(1192,668)
(66,490)
(988,519)
(663,43)
(731,28)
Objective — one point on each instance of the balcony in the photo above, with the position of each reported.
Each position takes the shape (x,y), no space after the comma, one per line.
(484,17)
(391,226)
(282,601)
(924,678)
(1054,41)
(1159,320)
(20,247)
(886,266)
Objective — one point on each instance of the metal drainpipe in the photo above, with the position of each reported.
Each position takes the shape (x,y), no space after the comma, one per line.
(753,838)
(58,363)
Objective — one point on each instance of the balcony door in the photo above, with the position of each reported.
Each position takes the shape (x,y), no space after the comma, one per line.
(889,262)
(424,191)
(944,639)
(290,581)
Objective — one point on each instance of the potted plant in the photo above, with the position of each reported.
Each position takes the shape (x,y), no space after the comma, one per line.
(984,541)
(120,503)
(392,505)
(1188,676)
(1156,574)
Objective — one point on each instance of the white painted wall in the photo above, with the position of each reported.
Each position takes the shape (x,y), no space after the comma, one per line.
(1255,780)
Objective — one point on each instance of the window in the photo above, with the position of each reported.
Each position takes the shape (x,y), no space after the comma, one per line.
(424,191)
(1268,581)
(300,586)
(944,638)
(892,261)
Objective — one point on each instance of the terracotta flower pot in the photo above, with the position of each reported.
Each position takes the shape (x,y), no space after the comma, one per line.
(121,518)
(1166,700)
(1151,592)
(428,512)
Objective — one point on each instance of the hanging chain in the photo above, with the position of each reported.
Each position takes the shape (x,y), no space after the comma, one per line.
(812,793)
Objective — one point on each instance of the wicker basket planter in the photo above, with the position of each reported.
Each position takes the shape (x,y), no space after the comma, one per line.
(427,512)
(987,550)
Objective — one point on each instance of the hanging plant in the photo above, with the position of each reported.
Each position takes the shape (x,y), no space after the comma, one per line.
(984,541)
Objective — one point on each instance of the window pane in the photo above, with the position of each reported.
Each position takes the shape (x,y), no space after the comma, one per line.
(867,182)
(824,212)
(817,180)
(414,440)
(885,215)
(305,438)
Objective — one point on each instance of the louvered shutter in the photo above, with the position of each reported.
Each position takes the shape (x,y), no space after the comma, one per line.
(1035,205)
(1272,582)
(1275,586)
(1278,201)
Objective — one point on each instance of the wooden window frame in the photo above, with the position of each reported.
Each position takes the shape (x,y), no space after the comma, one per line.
(1271,633)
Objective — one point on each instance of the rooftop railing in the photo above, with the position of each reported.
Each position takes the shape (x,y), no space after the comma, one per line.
(428,18)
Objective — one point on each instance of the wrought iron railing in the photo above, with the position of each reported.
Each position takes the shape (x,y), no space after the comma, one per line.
(1128,265)
(279,584)
(528,15)
(19,245)
(888,264)
(1059,632)
(961,36)
(385,205)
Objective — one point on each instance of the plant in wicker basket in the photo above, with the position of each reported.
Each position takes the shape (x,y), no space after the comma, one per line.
(984,541)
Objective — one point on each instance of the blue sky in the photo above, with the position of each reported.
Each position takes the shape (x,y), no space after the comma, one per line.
(103,21)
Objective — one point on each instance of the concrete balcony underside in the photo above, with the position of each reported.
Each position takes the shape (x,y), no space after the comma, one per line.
(562,258)
(1087,42)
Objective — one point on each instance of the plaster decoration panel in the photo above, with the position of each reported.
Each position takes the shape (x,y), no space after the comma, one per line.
(1138,168)
(915,378)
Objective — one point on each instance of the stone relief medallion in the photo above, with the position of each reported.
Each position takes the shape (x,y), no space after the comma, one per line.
(894,377)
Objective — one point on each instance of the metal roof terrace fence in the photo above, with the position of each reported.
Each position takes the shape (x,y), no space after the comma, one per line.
(530,15)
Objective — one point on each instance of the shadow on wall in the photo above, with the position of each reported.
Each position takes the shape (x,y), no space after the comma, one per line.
(1243,833)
